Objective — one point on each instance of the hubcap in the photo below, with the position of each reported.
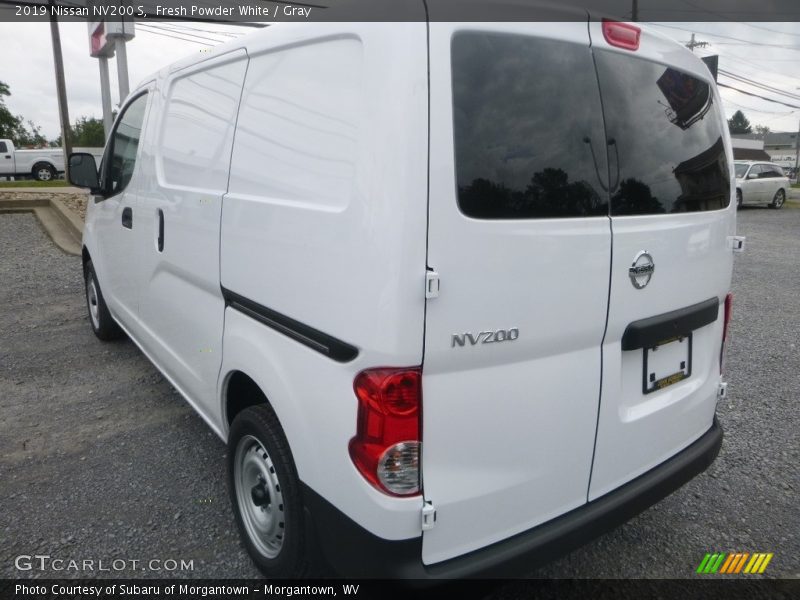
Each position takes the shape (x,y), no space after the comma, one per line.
(779,198)
(259,496)
(44,174)
(92,301)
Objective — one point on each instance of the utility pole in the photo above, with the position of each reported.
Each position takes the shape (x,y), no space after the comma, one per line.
(635,11)
(122,68)
(105,94)
(797,156)
(692,44)
(61,89)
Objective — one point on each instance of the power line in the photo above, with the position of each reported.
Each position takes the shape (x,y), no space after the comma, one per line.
(762,86)
(144,30)
(177,27)
(756,95)
(727,37)
(166,29)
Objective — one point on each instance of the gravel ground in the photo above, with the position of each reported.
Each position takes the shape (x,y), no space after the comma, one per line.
(101,458)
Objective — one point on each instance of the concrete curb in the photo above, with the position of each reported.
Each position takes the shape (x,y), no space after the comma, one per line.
(63,226)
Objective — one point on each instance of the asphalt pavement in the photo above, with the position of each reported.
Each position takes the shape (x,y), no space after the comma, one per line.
(100,458)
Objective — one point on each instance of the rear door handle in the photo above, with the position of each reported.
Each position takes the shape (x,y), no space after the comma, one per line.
(127,217)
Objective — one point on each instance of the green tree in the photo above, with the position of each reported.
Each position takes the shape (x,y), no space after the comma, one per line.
(738,123)
(8,122)
(13,127)
(762,130)
(87,131)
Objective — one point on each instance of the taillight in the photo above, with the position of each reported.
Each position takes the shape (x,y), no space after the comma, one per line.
(621,35)
(728,315)
(386,447)
(725,323)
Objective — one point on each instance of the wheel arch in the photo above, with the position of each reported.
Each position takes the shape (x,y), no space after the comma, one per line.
(85,258)
(43,162)
(240,391)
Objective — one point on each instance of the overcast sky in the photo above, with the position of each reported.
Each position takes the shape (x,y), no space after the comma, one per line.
(768,53)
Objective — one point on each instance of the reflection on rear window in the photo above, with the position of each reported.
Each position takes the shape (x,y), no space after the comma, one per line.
(529,140)
(665,135)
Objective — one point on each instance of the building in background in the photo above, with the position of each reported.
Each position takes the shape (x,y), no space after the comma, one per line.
(780,146)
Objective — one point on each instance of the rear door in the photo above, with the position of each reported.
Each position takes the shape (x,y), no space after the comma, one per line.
(671,185)
(519,234)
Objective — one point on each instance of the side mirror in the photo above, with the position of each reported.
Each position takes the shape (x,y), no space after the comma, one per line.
(83,171)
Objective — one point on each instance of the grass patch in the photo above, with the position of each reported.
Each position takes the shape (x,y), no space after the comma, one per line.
(33,183)
(796,186)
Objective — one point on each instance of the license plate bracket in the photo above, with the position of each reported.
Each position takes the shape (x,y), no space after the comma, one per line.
(667,363)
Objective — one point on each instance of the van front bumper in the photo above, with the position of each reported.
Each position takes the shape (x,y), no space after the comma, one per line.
(354,552)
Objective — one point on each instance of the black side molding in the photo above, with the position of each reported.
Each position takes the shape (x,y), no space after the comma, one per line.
(653,330)
(313,338)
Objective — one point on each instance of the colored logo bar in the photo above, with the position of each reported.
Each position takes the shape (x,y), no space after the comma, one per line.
(734,563)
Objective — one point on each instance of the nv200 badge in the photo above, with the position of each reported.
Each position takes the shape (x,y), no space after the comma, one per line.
(484,337)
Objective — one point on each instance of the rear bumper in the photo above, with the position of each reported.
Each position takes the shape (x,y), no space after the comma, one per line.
(355,552)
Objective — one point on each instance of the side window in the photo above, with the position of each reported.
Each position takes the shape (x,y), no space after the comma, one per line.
(120,158)
(664,125)
(527,128)
(3,147)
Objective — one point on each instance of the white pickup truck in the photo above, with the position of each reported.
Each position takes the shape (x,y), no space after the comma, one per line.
(43,164)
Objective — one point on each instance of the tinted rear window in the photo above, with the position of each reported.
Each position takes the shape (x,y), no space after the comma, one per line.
(3,147)
(529,141)
(665,133)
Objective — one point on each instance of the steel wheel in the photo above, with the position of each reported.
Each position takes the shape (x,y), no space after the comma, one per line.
(103,324)
(259,496)
(93,300)
(779,199)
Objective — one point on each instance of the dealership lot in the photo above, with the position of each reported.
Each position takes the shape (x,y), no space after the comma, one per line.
(100,459)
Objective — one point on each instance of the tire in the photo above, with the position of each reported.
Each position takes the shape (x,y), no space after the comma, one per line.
(103,324)
(738,198)
(778,199)
(44,172)
(265,494)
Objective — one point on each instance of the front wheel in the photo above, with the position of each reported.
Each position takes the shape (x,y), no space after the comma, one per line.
(265,493)
(779,199)
(103,324)
(44,172)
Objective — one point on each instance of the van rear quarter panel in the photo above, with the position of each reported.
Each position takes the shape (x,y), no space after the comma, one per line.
(325,222)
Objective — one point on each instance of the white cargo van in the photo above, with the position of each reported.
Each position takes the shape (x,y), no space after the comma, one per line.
(455,295)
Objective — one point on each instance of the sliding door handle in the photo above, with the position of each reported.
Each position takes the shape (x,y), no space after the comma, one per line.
(160,230)
(127,217)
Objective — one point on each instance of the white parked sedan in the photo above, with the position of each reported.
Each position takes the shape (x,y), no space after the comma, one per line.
(760,183)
